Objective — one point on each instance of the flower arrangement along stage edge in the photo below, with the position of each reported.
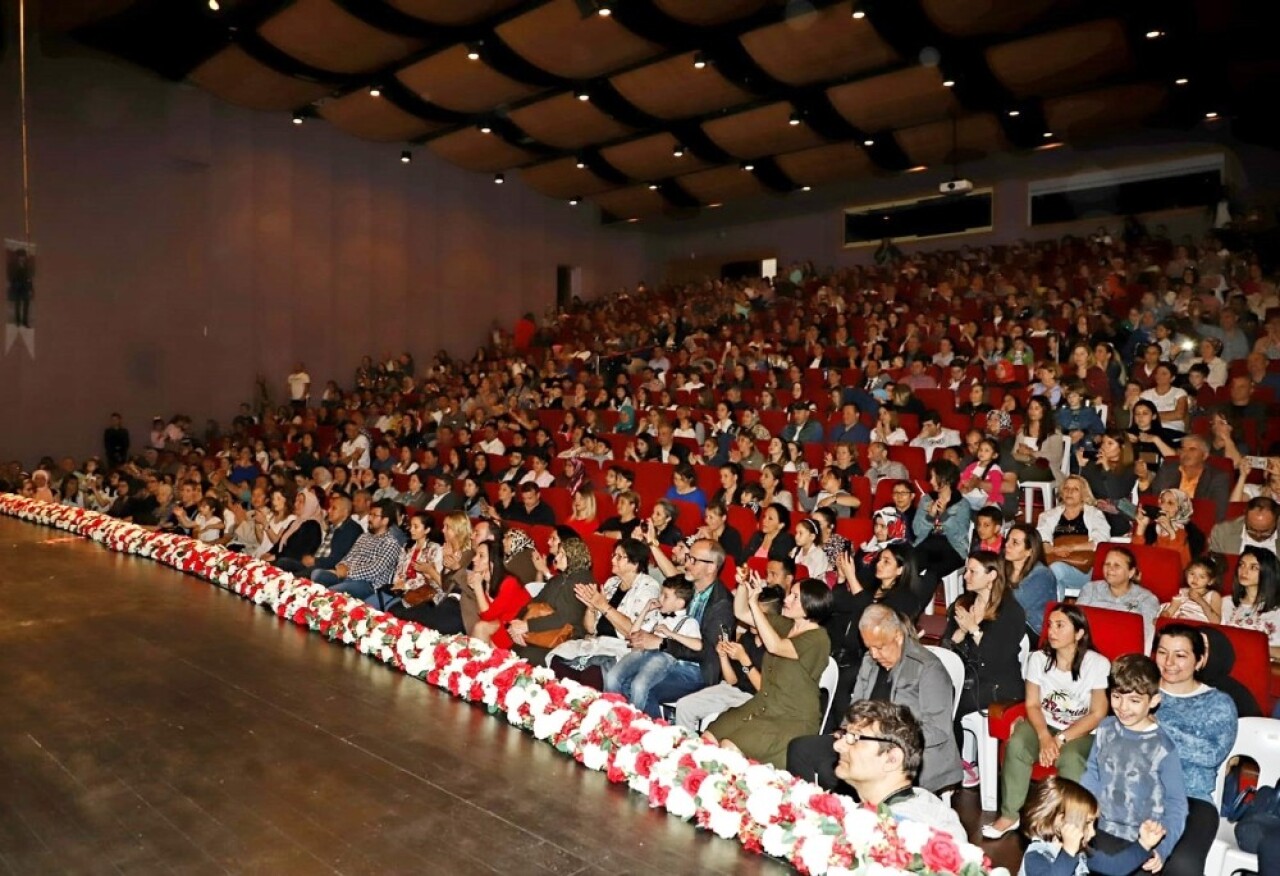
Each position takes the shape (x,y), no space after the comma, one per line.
(765,809)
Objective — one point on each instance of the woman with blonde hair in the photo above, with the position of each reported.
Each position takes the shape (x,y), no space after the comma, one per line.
(1072,531)
(584,517)
(444,612)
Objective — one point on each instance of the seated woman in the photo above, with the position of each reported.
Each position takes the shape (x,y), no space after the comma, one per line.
(611,611)
(1111,478)
(982,481)
(1027,574)
(1077,418)
(499,597)
(684,487)
(1072,531)
(556,616)
(796,654)
(1033,453)
(474,500)
(1066,698)
(584,518)
(833,492)
(273,522)
(418,576)
(662,523)
(985,627)
(1199,600)
(415,496)
(444,571)
(1254,603)
(887,430)
(774,492)
(808,551)
(941,525)
(385,488)
(624,523)
(888,525)
(1171,526)
(771,540)
(1121,590)
(1243,491)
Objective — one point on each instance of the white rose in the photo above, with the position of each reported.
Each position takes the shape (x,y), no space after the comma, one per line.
(914,835)
(680,804)
(777,841)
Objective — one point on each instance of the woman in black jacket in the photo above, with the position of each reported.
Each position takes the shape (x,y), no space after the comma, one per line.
(773,539)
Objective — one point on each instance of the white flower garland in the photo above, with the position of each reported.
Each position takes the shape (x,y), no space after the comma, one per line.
(767,810)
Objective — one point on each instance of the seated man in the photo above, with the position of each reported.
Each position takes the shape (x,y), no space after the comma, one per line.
(1191,475)
(340,535)
(933,436)
(880,749)
(530,508)
(369,568)
(1256,528)
(897,669)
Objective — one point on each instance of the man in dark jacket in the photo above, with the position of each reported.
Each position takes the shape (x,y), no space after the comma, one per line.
(339,536)
(712,607)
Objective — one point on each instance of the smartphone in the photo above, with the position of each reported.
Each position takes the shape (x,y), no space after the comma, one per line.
(1257,462)
(1127,508)
(724,633)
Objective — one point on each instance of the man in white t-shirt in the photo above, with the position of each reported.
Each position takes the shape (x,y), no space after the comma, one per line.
(299,387)
(355,450)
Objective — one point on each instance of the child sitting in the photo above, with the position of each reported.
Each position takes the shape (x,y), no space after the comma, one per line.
(666,617)
(1059,820)
(209,521)
(987,524)
(1200,599)
(1133,769)
(981,483)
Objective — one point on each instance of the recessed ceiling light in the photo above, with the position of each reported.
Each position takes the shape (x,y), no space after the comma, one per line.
(917,168)
(486,128)
(580,164)
(1181,80)
(699,61)
(214,5)
(298,118)
(1047,134)
(406,156)
(604,11)
(1210,115)
(634,219)
(473,50)
(678,152)
(806,188)
(793,119)
(499,178)
(375,91)
(1154,34)
(1013,114)
(859,14)
(582,94)
(573,202)
(653,187)
(717,204)
(868,142)
(948,83)
(747,165)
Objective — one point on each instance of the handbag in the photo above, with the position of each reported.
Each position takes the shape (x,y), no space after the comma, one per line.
(545,638)
(1079,560)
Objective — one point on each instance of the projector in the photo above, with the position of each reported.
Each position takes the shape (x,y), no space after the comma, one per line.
(956,187)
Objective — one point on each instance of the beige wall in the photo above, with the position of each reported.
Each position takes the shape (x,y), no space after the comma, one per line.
(187,245)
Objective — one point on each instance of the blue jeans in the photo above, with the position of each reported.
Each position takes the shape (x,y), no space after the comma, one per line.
(1068,577)
(327,577)
(636,673)
(683,678)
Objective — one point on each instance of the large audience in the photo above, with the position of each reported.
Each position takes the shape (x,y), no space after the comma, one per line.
(740,504)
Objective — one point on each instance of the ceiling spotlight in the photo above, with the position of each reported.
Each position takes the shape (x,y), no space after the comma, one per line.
(580,164)
(1013,114)
(748,166)
(298,118)
(859,14)
(1181,80)
(375,91)
(678,152)
(1048,135)
(499,178)
(603,10)
(1211,116)
(582,94)
(806,188)
(948,83)
(473,50)
(1154,34)
(573,202)
(486,128)
(699,61)
(918,168)
(794,119)
(406,156)
(214,5)
(868,142)
(653,187)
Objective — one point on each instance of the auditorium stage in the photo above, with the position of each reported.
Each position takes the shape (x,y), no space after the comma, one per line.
(152,723)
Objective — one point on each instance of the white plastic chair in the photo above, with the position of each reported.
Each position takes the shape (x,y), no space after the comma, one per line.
(953,586)
(988,746)
(827,682)
(1047,487)
(955,668)
(1258,738)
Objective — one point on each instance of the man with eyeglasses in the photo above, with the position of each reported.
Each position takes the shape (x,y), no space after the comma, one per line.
(1255,528)
(880,747)
(712,607)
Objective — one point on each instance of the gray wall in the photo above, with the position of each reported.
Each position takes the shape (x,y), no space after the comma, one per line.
(186,245)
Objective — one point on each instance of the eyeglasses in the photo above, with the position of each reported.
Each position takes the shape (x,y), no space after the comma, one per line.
(690,558)
(853,737)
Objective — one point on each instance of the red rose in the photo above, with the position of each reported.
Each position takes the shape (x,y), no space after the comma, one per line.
(942,854)
(891,854)
(658,794)
(615,774)
(827,804)
(693,780)
(644,762)
(630,736)
(476,692)
(300,616)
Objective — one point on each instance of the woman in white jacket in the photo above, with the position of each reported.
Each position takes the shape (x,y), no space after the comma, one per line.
(1072,532)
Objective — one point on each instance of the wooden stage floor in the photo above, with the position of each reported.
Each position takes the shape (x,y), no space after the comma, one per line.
(151,723)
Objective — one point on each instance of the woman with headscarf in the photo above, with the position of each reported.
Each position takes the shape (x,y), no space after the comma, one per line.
(887,526)
(1171,526)
(556,615)
(305,531)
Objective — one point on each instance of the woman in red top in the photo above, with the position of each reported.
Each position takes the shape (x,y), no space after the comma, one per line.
(499,596)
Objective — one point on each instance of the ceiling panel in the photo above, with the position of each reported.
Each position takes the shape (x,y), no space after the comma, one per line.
(565,122)
(967,18)
(894,100)
(651,158)
(449,79)
(560,40)
(323,35)
(825,164)
(1096,112)
(374,118)
(1064,60)
(237,78)
(705,13)
(762,131)
(636,202)
(481,152)
(973,137)
(721,184)
(674,89)
(452,12)
(563,178)
(825,44)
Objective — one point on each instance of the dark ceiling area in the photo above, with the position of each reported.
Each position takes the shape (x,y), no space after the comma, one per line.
(651,108)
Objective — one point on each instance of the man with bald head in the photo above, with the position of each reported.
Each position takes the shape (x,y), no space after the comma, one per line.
(1191,475)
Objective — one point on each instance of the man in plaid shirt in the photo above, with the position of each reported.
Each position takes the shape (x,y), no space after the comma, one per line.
(370,567)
